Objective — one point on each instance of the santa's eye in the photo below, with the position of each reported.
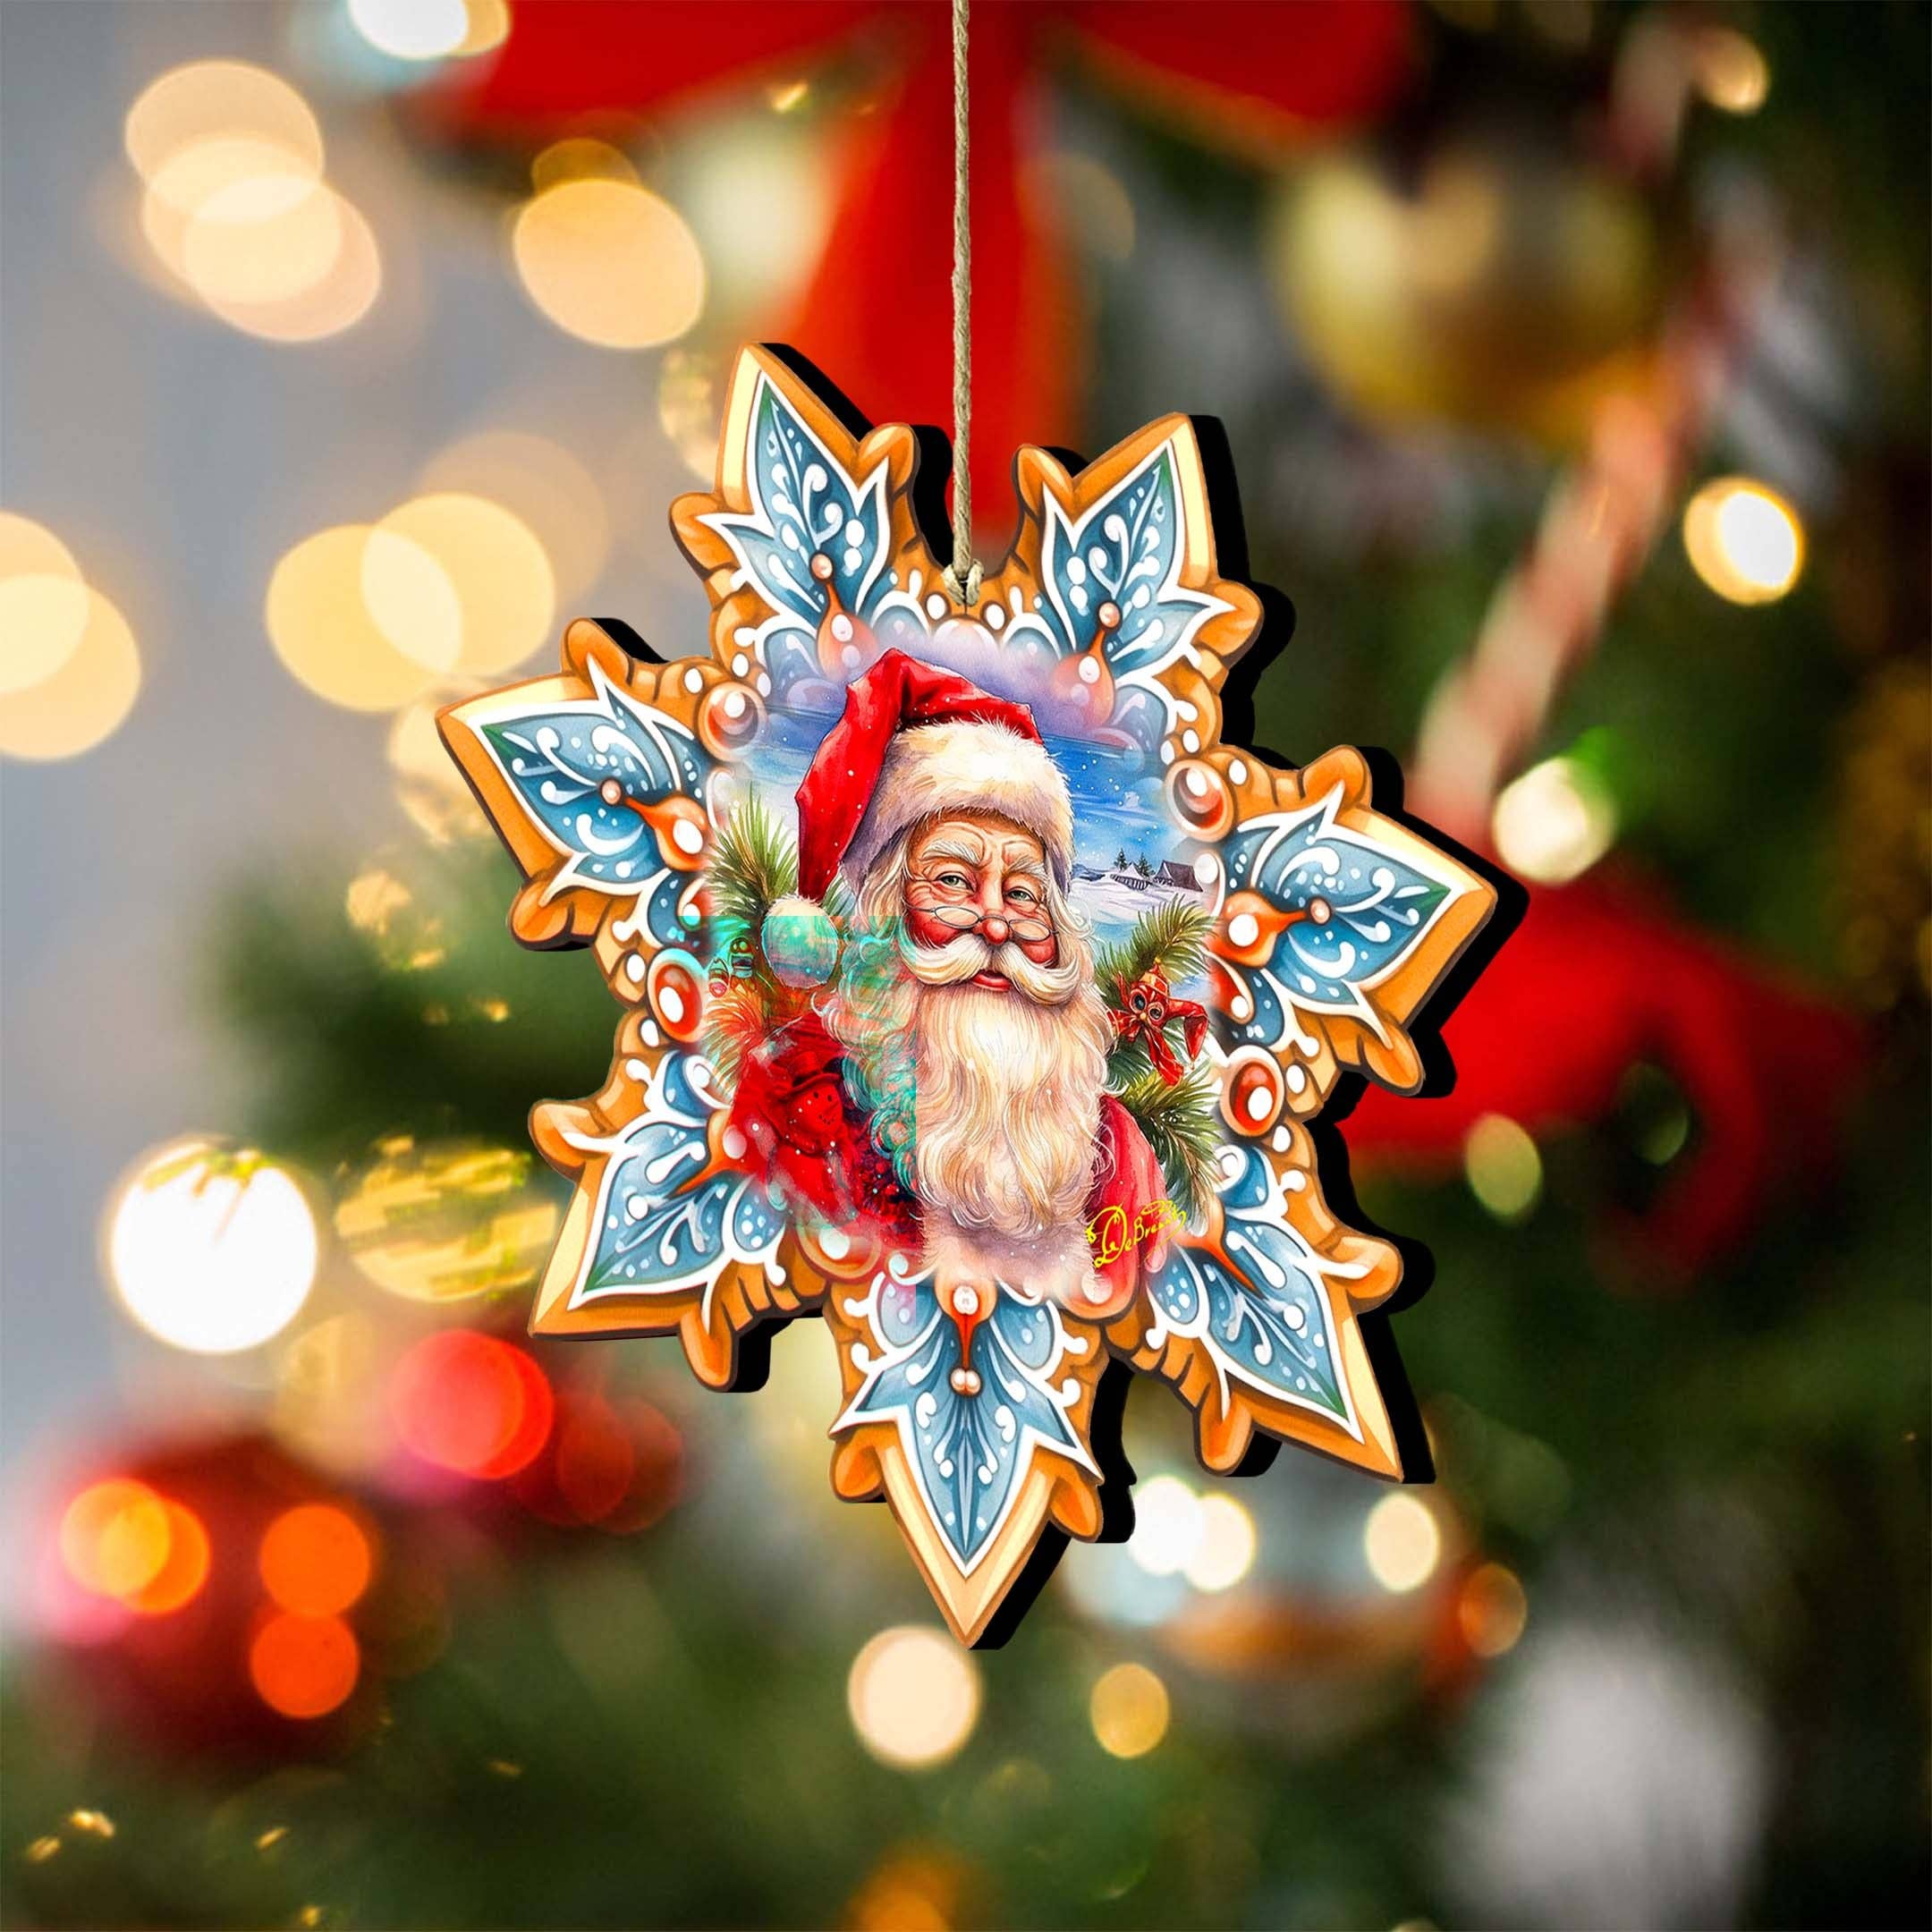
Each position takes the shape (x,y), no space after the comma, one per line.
(955,880)
(1023,895)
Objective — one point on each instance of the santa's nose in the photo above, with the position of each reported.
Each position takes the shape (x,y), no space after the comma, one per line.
(994,928)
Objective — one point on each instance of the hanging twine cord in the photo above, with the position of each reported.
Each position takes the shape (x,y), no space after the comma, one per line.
(961,577)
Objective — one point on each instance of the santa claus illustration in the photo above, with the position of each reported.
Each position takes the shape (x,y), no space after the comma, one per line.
(946,1086)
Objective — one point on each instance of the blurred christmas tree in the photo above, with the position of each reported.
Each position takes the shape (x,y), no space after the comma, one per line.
(1653,1650)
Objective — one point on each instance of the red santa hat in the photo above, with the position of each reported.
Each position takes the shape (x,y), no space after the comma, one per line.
(912,743)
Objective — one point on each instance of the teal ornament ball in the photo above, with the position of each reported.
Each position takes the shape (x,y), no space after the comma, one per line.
(801,943)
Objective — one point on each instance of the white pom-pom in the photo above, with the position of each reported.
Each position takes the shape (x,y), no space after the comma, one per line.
(801,943)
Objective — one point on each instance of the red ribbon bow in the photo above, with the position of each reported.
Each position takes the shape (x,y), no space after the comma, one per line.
(1143,1015)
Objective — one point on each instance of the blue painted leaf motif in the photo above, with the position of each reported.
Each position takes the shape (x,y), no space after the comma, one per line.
(1126,551)
(665,1219)
(805,504)
(559,759)
(1362,908)
(1266,1320)
(968,1454)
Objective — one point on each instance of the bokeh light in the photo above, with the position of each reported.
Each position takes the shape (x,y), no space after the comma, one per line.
(315,1560)
(304,1666)
(505,591)
(1552,824)
(1492,1610)
(208,100)
(914,1695)
(688,385)
(184,1568)
(537,479)
(610,263)
(412,29)
(430,787)
(1403,1542)
(322,631)
(1130,1710)
(334,301)
(1168,1528)
(114,1537)
(1744,540)
(471,1404)
(441,1221)
(91,686)
(211,1251)
(43,618)
(1732,74)
(1225,1551)
(1504,1166)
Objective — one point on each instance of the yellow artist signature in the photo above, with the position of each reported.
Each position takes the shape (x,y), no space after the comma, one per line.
(1111,1234)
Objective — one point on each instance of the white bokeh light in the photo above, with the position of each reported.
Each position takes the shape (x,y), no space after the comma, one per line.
(210,1251)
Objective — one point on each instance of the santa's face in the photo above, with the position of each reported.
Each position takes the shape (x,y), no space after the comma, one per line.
(978,876)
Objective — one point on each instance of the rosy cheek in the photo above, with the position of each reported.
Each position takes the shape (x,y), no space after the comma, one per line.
(926,931)
(1041,952)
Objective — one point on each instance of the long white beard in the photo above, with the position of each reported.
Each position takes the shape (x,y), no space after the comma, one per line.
(1007,1105)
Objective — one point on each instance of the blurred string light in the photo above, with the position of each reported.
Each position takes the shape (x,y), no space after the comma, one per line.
(504,590)
(1209,1539)
(412,29)
(236,206)
(121,1539)
(537,479)
(70,669)
(1730,71)
(1492,1610)
(446,587)
(315,1560)
(601,256)
(914,1695)
(212,1250)
(1504,1169)
(1744,540)
(447,1220)
(1552,824)
(1403,1542)
(471,1404)
(304,1666)
(1130,1710)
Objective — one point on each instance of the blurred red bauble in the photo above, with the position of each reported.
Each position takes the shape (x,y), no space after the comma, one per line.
(217,1595)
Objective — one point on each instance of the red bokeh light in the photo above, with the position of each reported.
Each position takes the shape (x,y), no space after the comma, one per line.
(471,1403)
(304,1666)
(315,1560)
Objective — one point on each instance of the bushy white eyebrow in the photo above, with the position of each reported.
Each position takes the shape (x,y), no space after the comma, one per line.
(955,846)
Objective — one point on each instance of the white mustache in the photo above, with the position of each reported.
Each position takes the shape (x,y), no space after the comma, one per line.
(970,954)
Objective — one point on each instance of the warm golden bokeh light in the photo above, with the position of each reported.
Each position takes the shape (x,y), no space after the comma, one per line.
(429,786)
(334,301)
(115,1537)
(1504,1166)
(1130,1710)
(1552,824)
(688,388)
(1401,1542)
(489,26)
(265,239)
(506,591)
(580,157)
(412,29)
(210,1250)
(42,620)
(29,550)
(304,1666)
(183,1571)
(610,263)
(914,1695)
(1744,540)
(88,694)
(447,1220)
(321,628)
(207,100)
(537,479)
(1492,1610)
(315,1560)
(1225,1552)
(1730,71)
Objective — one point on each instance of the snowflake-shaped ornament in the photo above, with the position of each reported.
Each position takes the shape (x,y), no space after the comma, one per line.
(649,806)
